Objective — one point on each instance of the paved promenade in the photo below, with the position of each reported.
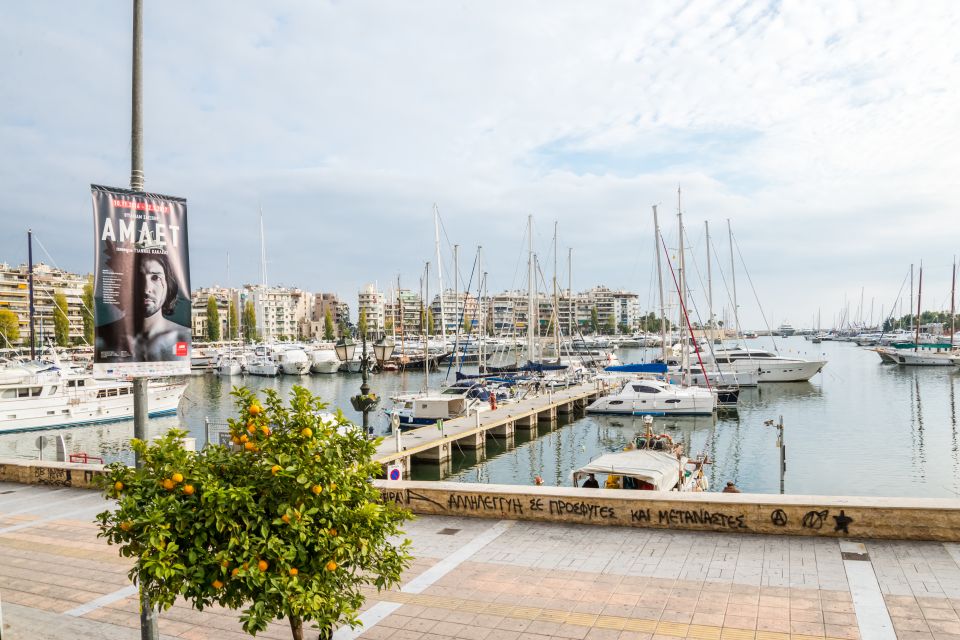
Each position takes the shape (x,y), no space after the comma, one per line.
(504,580)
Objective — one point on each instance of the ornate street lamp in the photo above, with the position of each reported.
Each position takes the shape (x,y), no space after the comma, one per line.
(366,401)
(383,349)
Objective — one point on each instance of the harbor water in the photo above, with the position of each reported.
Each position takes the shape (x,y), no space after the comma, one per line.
(857,428)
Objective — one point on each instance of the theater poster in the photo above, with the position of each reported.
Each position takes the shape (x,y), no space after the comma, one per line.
(141,294)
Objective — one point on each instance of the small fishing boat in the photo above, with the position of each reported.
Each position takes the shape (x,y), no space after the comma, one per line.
(655,464)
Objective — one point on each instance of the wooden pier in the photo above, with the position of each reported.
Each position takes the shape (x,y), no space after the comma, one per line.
(433,445)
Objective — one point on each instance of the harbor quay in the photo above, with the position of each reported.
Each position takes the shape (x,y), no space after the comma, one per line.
(434,444)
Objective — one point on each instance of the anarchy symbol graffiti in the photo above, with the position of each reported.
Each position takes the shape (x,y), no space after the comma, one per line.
(778,518)
(814,519)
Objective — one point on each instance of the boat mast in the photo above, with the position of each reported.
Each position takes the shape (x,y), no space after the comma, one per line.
(436,241)
(426,333)
(481,325)
(457,313)
(953,291)
(33,347)
(681,275)
(556,298)
(663,312)
(916,340)
(531,286)
(911,297)
(573,326)
(733,279)
(263,281)
(706,224)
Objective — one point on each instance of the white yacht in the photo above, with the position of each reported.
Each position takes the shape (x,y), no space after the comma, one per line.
(293,361)
(768,366)
(324,361)
(41,395)
(656,398)
(785,330)
(262,365)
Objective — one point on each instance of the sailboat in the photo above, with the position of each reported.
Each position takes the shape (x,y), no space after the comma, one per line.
(931,355)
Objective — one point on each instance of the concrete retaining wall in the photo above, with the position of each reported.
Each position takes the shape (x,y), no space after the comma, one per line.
(57,474)
(843,517)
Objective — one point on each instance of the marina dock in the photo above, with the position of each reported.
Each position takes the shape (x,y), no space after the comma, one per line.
(434,445)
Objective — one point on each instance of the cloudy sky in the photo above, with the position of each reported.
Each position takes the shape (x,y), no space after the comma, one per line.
(826,132)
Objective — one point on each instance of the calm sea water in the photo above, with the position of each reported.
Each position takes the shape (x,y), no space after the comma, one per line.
(858,428)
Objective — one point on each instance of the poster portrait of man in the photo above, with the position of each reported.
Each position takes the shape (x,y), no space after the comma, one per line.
(141,284)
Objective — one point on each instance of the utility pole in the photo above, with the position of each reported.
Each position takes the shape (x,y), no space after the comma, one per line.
(148,614)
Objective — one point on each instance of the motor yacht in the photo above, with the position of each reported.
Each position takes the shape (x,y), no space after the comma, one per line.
(644,397)
(324,361)
(768,366)
(42,395)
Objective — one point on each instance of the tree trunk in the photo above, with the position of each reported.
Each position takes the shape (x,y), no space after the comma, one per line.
(296,627)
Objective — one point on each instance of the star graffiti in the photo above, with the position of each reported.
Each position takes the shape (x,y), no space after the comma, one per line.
(842,521)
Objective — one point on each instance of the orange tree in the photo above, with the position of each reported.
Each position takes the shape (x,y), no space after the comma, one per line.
(284,524)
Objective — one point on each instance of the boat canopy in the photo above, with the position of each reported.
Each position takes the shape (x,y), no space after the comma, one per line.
(643,367)
(659,468)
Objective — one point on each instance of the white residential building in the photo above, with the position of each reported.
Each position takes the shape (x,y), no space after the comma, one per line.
(373,303)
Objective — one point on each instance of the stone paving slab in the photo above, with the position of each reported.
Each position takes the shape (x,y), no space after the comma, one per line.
(524,580)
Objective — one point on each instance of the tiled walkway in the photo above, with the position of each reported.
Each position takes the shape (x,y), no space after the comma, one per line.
(479,580)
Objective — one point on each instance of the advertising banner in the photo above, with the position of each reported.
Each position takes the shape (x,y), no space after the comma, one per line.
(141,293)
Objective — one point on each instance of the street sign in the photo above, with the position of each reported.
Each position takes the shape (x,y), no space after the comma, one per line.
(395,471)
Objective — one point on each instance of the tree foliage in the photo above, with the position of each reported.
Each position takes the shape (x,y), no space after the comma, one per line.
(328,326)
(87,311)
(362,323)
(249,322)
(61,322)
(285,524)
(9,328)
(594,320)
(233,326)
(213,320)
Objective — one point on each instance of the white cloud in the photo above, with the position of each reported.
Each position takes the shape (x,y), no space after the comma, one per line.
(825,131)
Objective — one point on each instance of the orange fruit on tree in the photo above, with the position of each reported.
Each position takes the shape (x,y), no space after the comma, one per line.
(265,429)
(177,477)
(188,489)
(294,571)
(306,432)
(235,440)
(275,469)
(285,518)
(316,489)
(168,484)
(249,446)
(244,438)
(225,564)
(118,485)
(333,533)
(217,584)
(263,565)
(126,526)
(331,566)
(255,409)
(251,428)
(235,571)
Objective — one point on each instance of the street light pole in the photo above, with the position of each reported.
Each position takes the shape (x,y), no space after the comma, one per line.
(364,387)
(148,614)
